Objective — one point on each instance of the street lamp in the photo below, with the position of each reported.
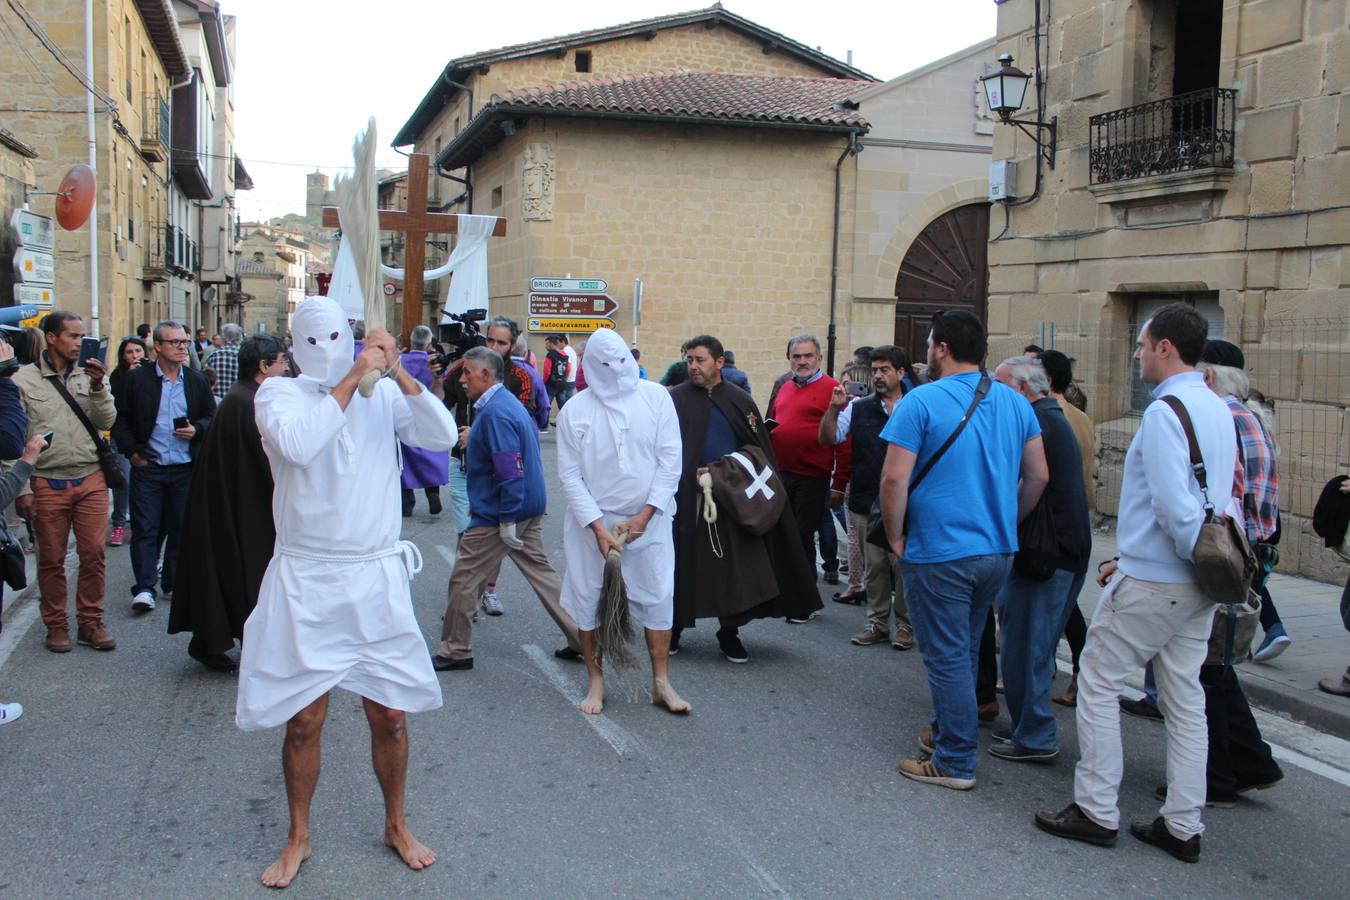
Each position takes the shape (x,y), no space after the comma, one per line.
(1005,90)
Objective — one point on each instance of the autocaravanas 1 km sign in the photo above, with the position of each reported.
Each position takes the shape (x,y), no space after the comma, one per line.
(567,324)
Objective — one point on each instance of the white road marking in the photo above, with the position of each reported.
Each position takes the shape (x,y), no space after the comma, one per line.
(1290,742)
(447,554)
(623,741)
(16,629)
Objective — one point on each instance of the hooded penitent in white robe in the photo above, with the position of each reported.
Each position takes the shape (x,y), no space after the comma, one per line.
(335,609)
(618,450)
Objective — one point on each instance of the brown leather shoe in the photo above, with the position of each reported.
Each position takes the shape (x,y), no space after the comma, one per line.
(58,639)
(926,741)
(95,636)
(904,638)
(869,636)
(988,712)
(1156,833)
(1072,823)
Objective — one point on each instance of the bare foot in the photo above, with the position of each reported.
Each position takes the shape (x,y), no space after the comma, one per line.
(280,873)
(594,704)
(410,849)
(664,695)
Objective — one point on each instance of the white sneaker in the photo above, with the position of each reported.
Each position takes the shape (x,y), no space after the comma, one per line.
(9,712)
(143,602)
(491,605)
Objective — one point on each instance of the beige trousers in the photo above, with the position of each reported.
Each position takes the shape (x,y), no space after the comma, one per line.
(481,552)
(881,580)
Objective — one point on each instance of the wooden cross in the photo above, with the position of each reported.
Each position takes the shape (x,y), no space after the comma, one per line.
(417,223)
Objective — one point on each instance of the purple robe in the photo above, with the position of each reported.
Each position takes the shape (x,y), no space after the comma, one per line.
(422,468)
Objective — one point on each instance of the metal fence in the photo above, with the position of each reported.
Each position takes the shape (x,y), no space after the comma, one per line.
(1301,366)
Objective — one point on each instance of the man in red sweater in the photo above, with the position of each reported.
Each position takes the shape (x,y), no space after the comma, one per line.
(815,476)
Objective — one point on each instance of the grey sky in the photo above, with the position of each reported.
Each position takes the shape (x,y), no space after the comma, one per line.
(309,73)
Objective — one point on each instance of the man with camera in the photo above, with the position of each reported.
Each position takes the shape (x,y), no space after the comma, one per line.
(65,393)
(161,420)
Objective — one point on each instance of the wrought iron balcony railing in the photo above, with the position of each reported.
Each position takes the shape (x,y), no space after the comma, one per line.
(155,128)
(1180,134)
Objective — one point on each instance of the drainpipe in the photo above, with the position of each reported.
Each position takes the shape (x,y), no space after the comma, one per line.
(853,149)
(93,164)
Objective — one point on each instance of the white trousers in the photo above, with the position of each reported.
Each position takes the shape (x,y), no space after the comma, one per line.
(1137,621)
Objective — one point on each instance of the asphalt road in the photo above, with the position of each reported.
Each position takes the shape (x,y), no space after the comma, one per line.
(126,777)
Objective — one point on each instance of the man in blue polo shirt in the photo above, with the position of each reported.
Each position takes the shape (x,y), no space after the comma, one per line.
(962,526)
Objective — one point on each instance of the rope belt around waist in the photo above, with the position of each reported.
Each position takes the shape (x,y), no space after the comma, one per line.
(412,556)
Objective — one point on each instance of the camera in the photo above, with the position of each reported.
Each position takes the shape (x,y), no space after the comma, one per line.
(461,333)
(17,338)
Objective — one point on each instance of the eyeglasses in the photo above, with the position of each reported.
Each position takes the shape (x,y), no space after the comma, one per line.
(182,343)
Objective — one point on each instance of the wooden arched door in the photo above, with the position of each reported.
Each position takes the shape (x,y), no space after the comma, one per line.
(945,268)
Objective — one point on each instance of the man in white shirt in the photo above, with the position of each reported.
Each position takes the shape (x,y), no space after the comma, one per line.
(619,461)
(572,361)
(1152,607)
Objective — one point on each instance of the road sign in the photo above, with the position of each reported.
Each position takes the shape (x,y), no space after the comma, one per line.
(389,288)
(570,285)
(40,295)
(568,304)
(34,266)
(567,324)
(33,230)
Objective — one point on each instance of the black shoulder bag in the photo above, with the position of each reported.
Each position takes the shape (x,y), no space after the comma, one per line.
(876,525)
(107,457)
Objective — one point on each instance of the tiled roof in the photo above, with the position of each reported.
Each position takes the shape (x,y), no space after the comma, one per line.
(701,95)
(703,98)
(251,267)
(456,70)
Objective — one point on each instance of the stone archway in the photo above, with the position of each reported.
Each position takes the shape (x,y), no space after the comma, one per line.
(945,267)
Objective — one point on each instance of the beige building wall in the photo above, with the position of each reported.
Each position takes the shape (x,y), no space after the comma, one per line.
(694,47)
(131,193)
(729,229)
(1269,237)
(927,153)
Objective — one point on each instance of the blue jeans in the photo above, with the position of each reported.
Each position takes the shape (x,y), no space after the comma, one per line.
(1033,619)
(459,498)
(829,539)
(948,605)
(158,499)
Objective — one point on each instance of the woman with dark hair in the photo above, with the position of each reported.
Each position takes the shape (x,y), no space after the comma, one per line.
(228,532)
(130,355)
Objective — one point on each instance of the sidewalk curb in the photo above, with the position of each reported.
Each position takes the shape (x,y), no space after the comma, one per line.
(1313,712)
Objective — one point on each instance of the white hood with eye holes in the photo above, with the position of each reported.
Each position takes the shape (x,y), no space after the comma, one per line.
(322,341)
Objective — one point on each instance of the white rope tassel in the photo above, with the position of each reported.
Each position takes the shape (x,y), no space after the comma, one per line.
(710,513)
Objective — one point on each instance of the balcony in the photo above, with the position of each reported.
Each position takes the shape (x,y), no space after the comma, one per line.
(1182,144)
(189,164)
(155,121)
(155,267)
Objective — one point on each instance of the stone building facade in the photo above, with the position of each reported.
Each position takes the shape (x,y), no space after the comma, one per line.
(713,159)
(1204,156)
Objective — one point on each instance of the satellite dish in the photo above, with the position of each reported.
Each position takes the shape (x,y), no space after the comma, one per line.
(75,197)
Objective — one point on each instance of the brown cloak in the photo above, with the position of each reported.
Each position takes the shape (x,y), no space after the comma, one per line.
(753,577)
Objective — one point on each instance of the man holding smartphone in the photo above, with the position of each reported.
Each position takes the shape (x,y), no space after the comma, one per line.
(68,490)
(162,417)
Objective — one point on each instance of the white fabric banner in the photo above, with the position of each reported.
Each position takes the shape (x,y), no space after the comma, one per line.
(345,288)
(468,289)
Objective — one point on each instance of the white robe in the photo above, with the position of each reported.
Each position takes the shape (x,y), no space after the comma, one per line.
(335,608)
(611,472)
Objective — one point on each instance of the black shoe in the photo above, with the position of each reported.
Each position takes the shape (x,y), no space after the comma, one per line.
(434,504)
(802,620)
(1244,787)
(1072,823)
(1002,734)
(568,654)
(1010,751)
(1156,833)
(1141,708)
(1217,801)
(732,648)
(446,664)
(854,599)
(214,662)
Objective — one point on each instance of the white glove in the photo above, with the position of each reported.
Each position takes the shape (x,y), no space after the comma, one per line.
(507,530)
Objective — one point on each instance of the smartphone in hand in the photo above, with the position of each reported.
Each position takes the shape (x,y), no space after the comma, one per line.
(181,422)
(93,348)
(48,437)
(856,388)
